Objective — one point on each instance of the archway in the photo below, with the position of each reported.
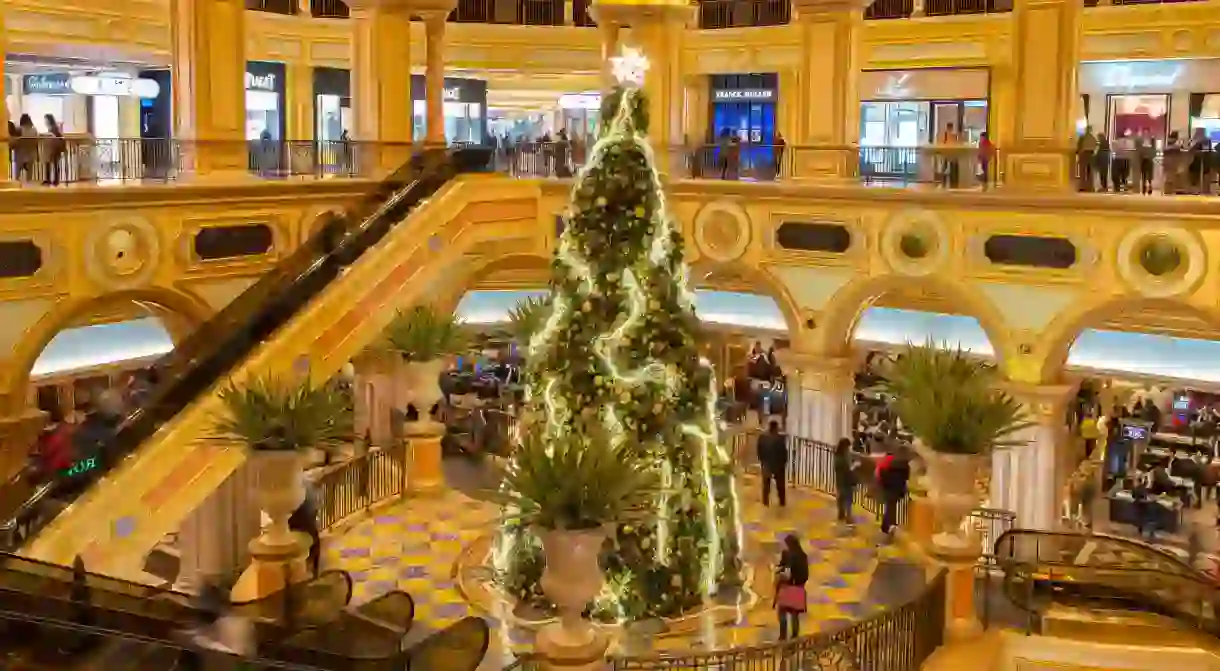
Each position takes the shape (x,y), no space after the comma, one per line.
(177,313)
(945,304)
(1086,333)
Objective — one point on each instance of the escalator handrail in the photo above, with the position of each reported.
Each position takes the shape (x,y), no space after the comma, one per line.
(1173,560)
(1149,602)
(288,288)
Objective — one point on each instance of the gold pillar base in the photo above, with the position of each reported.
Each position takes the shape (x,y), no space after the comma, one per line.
(1038,171)
(566,657)
(424,443)
(272,569)
(961,620)
(18,434)
(835,165)
(921,520)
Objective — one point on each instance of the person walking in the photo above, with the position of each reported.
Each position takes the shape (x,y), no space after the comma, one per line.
(773,460)
(845,479)
(892,475)
(791,576)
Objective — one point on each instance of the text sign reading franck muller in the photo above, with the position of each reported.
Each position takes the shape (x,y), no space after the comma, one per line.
(743,95)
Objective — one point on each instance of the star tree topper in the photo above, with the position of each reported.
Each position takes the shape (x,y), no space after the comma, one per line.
(630,67)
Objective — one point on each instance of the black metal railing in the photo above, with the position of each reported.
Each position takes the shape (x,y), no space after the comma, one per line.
(356,485)
(226,339)
(329,9)
(512,12)
(716,14)
(273,6)
(898,639)
(1042,568)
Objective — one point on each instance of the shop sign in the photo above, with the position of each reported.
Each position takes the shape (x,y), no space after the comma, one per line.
(112,85)
(260,82)
(452,93)
(1163,76)
(580,101)
(51,84)
(925,84)
(743,95)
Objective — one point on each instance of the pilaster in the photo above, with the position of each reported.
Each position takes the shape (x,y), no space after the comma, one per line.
(17,435)
(381,91)
(6,167)
(434,77)
(1027,477)
(300,101)
(209,65)
(820,396)
(829,97)
(213,540)
(1046,53)
(695,121)
(657,29)
(609,32)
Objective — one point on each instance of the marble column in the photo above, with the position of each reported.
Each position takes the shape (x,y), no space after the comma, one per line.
(213,541)
(829,76)
(1045,95)
(1027,479)
(820,397)
(434,78)
(209,67)
(381,88)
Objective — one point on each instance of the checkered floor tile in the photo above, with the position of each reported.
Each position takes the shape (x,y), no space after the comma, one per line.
(414,546)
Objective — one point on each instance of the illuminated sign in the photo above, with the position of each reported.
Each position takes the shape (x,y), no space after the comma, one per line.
(264,82)
(52,84)
(80,468)
(743,95)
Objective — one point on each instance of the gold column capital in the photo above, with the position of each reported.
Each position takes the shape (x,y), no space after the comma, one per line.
(434,19)
(818,372)
(1044,403)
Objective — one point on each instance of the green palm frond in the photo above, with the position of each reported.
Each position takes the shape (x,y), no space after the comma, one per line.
(271,414)
(577,483)
(527,317)
(424,334)
(951,401)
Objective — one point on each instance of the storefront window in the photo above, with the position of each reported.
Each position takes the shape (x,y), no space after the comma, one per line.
(1135,114)
(333,118)
(38,106)
(262,115)
(105,117)
(1208,117)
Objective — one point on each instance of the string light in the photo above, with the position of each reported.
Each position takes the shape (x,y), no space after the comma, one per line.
(629,69)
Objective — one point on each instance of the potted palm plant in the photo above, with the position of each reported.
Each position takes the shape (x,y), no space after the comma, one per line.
(570,492)
(277,420)
(527,318)
(954,407)
(423,338)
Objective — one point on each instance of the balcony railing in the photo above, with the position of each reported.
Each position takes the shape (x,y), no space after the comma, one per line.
(716,14)
(948,167)
(273,6)
(513,12)
(903,9)
(329,9)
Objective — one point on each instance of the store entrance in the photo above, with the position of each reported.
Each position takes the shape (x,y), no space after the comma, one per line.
(753,124)
(892,131)
(1131,115)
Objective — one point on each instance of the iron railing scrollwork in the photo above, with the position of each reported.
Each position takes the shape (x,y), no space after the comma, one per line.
(357,485)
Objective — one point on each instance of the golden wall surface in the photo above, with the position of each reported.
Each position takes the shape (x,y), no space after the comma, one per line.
(139,31)
(106,250)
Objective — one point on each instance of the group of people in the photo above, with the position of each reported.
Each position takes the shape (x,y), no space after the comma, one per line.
(888,478)
(1128,162)
(557,156)
(35,154)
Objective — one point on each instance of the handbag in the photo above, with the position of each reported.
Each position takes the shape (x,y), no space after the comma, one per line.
(791,597)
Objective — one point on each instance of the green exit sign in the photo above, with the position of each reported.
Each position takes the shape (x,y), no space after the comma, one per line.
(79,468)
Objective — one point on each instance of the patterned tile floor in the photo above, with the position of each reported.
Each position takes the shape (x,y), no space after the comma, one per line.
(414,546)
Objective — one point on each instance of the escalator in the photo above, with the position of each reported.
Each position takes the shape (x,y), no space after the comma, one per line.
(54,617)
(308,316)
(1105,574)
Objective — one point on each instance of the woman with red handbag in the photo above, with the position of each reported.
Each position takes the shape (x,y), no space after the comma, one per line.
(793,573)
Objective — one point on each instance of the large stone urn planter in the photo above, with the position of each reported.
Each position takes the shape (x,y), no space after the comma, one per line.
(950,480)
(280,487)
(422,380)
(572,578)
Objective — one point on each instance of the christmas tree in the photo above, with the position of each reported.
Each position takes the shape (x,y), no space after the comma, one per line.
(615,356)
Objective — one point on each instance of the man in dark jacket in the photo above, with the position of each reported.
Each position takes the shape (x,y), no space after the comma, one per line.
(892,475)
(845,479)
(773,458)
